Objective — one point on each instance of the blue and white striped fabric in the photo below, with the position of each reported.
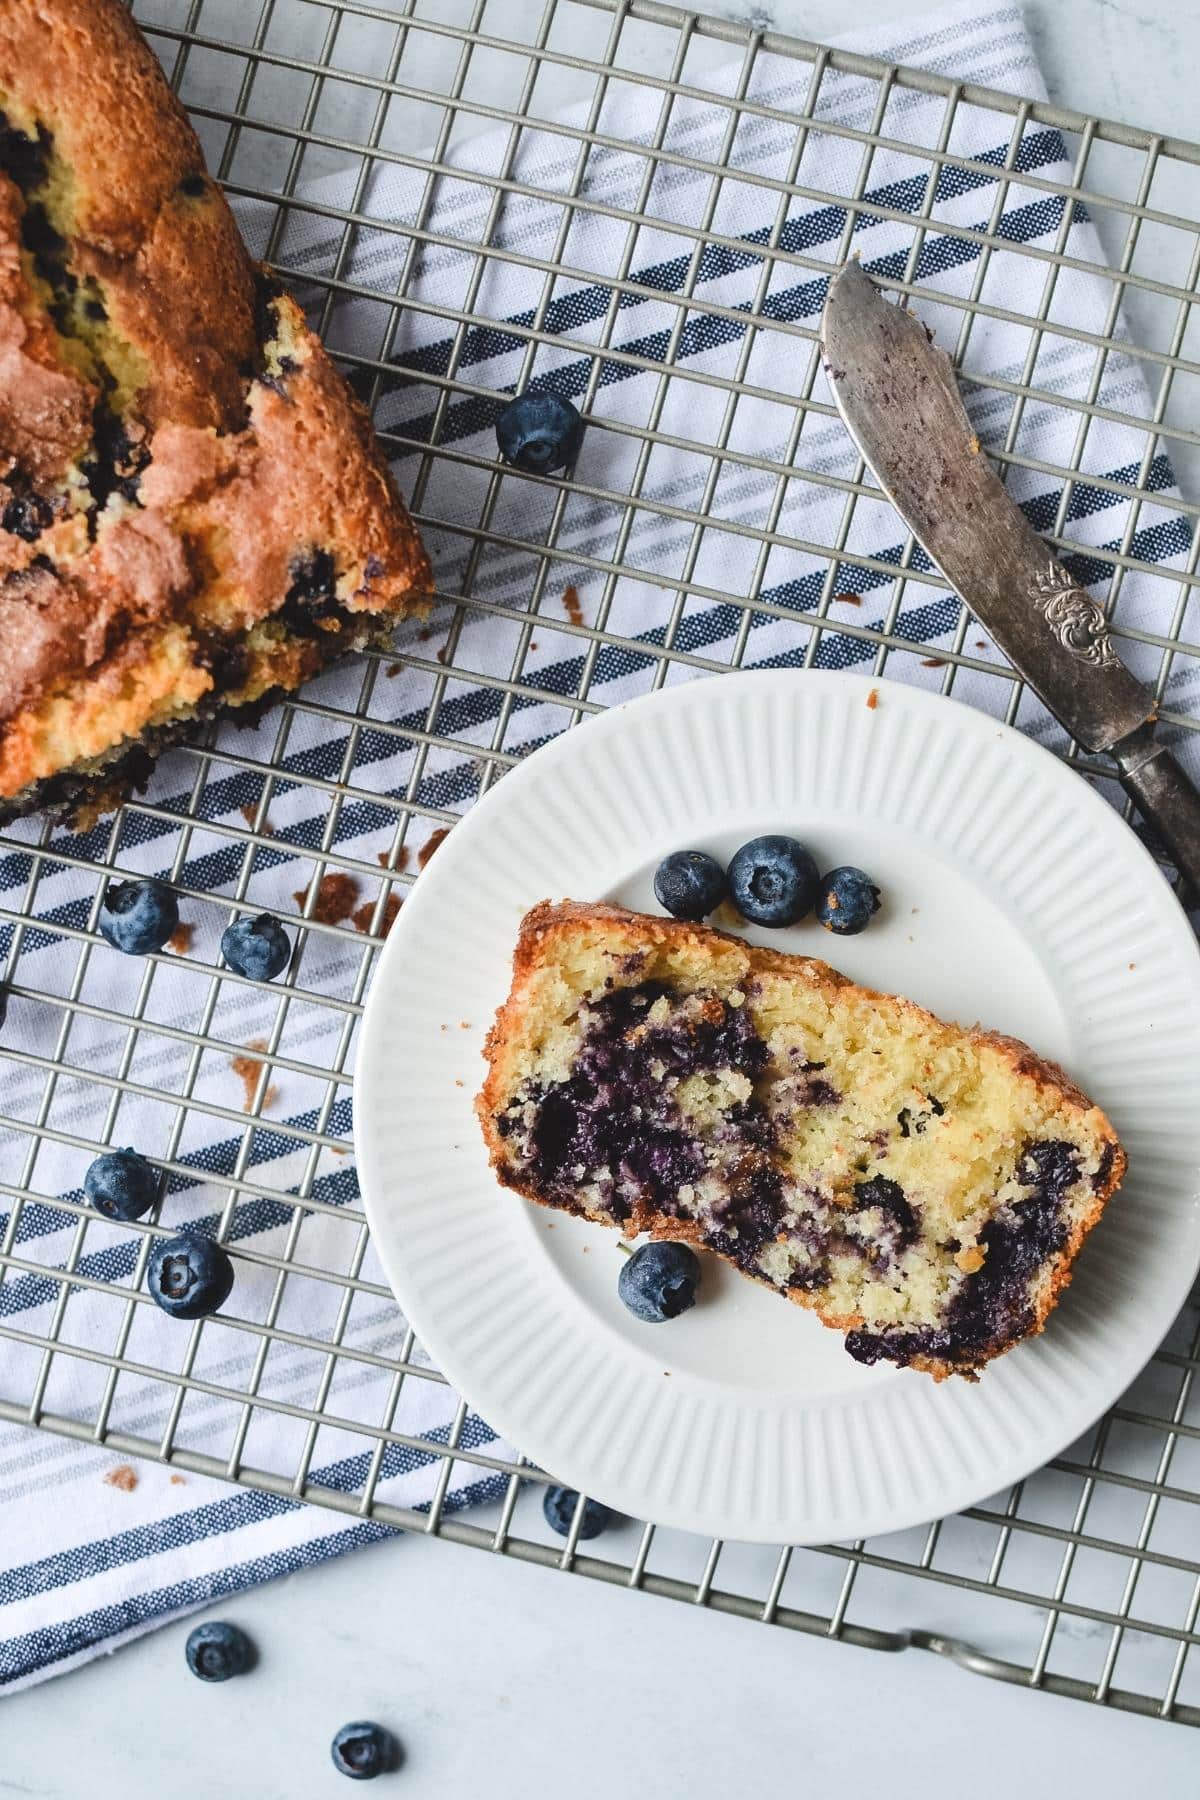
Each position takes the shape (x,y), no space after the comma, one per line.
(90,1563)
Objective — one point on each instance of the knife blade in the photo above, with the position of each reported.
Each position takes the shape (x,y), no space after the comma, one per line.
(899,398)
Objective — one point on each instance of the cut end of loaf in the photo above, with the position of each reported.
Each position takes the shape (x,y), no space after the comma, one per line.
(194,513)
(922,1188)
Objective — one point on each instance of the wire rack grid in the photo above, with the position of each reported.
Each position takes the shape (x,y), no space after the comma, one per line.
(1083,1580)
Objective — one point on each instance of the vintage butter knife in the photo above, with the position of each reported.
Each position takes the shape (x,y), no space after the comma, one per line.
(899,398)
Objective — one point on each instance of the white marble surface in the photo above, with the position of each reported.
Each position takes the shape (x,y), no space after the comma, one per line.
(504,1680)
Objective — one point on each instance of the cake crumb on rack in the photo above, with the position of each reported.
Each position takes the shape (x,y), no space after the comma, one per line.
(337,896)
(364,914)
(872,699)
(572,605)
(180,939)
(247,1069)
(433,842)
(124,1477)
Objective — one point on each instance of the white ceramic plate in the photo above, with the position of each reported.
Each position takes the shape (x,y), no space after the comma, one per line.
(1014,895)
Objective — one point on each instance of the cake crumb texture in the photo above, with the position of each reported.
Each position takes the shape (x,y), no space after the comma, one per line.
(194,513)
(923,1188)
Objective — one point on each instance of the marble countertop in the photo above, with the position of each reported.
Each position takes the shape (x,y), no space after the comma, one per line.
(508,1680)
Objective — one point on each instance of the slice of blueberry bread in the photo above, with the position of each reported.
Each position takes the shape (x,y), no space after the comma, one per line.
(194,513)
(924,1189)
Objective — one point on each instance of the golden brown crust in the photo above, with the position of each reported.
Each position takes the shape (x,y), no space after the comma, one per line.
(176,272)
(179,459)
(571,916)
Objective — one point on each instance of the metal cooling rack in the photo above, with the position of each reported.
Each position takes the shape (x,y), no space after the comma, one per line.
(1084,1580)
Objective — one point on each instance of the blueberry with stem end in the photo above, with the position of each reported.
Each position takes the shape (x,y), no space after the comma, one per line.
(690,884)
(138,916)
(363,1750)
(773,880)
(539,433)
(189,1276)
(121,1184)
(216,1651)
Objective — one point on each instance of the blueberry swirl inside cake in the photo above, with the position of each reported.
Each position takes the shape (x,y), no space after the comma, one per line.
(923,1188)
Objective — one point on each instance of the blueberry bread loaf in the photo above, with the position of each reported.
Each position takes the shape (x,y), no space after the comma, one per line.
(194,514)
(922,1188)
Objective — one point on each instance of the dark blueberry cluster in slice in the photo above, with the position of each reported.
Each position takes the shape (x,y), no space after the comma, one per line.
(899,1227)
(616,1120)
(119,456)
(267,290)
(27,515)
(995,1307)
(24,159)
(750,1216)
(313,591)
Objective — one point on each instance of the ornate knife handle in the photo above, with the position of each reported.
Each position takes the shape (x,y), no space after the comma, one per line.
(1073,616)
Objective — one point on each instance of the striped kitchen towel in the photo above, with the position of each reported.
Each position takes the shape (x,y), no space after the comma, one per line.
(98,1550)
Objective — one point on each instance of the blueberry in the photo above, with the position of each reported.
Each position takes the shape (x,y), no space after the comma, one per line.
(138,916)
(690,884)
(659,1281)
(27,516)
(773,881)
(539,432)
(216,1651)
(189,1276)
(258,948)
(559,1505)
(363,1750)
(121,1184)
(849,899)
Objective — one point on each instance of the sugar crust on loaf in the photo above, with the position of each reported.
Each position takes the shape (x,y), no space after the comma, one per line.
(194,513)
